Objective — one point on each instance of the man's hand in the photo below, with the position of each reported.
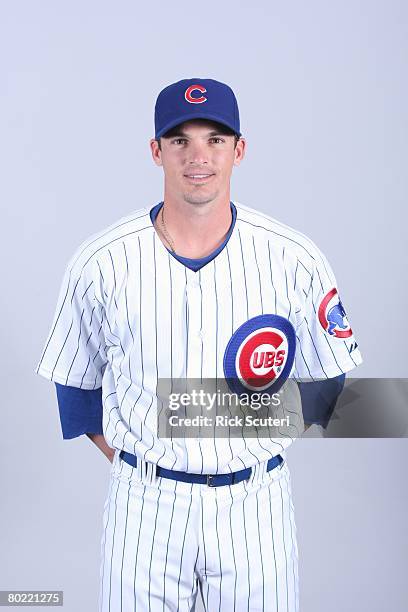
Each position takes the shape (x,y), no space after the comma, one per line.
(100,442)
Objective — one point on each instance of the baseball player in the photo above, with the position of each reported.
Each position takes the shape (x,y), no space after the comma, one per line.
(196,286)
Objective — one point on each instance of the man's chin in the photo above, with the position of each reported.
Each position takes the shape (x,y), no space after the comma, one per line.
(199,198)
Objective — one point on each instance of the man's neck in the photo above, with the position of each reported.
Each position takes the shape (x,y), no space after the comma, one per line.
(195,230)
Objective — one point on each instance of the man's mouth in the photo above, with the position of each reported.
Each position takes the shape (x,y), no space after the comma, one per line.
(198,177)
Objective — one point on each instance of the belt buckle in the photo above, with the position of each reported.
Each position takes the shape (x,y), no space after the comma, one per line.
(209,480)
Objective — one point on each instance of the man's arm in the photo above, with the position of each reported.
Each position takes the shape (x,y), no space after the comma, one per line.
(100,442)
(81,413)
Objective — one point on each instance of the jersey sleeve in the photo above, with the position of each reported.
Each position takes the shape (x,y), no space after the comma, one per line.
(326,346)
(75,352)
(81,411)
(319,399)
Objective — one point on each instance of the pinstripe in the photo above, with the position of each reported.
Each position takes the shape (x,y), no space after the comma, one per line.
(246,296)
(243,269)
(286,282)
(216,322)
(104,537)
(349,354)
(114,279)
(78,343)
(85,371)
(138,541)
(186,314)
(123,549)
(259,274)
(299,261)
(194,580)
(141,340)
(168,541)
(171,348)
(186,343)
(201,470)
(129,327)
(273,548)
(114,299)
(292,531)
(127,305)
(284,546)
(216,354)
(270,268)
(248,573)
(219,551)
(216,373)
(182,548)
(201,322)
(204,549)
(260,549)
(303,357)
(155,343)
(153,546)
(156,327)
(315,348)
(113,545)
(296,269)
(232,331)
(232,548)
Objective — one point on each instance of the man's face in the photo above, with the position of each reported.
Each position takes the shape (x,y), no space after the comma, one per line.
(198,161)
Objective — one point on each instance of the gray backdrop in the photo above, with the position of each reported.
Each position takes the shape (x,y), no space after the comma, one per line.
(323,101)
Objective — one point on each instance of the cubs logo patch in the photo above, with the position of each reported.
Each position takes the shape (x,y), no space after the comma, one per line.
(195,99)
(260,354)
(332,316)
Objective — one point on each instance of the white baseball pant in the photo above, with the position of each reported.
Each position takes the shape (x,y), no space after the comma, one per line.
(165,539)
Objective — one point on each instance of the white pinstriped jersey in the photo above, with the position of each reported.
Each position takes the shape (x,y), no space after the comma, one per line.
(129,313)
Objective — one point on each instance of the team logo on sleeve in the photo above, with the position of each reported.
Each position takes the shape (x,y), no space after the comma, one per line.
(260,355)
(332,316)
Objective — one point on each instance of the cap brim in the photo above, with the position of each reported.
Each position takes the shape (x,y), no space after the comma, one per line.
(197,115)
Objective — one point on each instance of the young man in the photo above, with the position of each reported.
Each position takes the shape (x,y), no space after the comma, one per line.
(195,287)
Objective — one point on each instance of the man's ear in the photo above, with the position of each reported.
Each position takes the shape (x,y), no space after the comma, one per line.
(239,151)
(156,152)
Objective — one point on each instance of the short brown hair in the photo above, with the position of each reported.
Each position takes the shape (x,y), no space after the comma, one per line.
(223,130)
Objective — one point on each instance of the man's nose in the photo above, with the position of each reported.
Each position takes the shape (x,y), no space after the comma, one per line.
(197,153)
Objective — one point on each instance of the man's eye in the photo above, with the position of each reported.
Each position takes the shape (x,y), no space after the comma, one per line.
(178,140)
(216,138)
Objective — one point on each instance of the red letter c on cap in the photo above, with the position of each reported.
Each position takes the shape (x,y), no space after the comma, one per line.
(189,97)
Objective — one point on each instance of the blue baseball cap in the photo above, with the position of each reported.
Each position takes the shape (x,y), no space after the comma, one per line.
(195,99)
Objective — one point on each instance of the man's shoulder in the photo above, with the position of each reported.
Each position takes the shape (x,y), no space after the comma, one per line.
(278,233)
(107,238)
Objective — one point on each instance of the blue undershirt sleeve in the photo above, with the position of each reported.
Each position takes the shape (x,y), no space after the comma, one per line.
(319,399)
(80,410)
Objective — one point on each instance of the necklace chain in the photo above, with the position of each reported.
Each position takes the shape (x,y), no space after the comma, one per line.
(166,234)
